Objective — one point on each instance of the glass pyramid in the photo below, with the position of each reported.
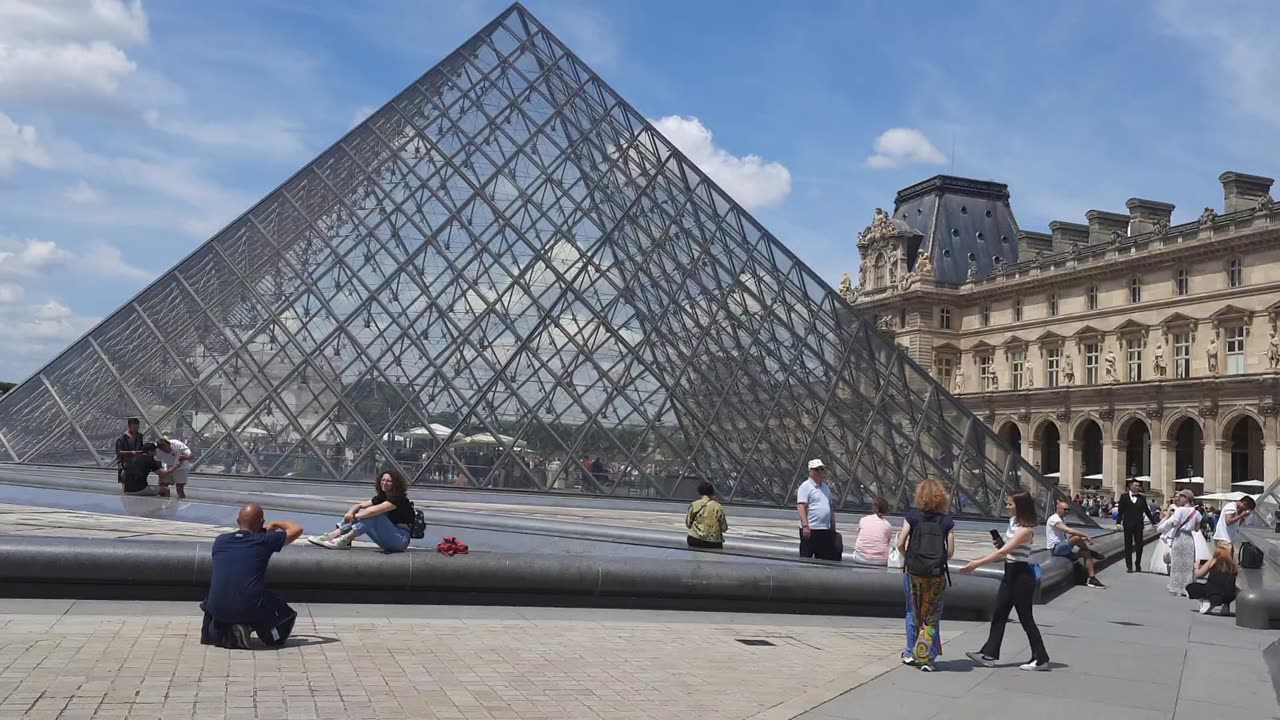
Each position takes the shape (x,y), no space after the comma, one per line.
(506,278)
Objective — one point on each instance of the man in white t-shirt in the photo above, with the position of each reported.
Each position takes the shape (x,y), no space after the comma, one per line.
(1233,514)
(817,522)
(177,460)
(1069,543)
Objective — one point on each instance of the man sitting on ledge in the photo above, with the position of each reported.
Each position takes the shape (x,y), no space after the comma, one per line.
(238,601)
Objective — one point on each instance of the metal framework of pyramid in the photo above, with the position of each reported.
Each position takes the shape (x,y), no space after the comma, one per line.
(507,278)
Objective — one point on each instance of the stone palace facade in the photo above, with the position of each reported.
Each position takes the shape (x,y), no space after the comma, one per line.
(1122,347)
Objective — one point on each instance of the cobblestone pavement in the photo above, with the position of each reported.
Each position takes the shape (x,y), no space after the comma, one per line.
(144,660)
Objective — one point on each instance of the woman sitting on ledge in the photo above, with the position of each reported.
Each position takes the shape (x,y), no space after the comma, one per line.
(386,518)
(874,535)
(705,519)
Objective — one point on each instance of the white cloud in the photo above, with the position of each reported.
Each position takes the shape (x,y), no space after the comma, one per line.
(67,51)
(33,332)
(273,135)
(28,259)
(82,193)
(362,113)
(904,146)
(10,293)
(20,144)
(1238,45)
(748,179)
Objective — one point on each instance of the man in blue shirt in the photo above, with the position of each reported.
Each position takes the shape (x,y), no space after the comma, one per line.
(238,602)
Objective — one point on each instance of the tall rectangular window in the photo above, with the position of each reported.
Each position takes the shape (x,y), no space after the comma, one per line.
(1235,350)
(1052,366)
(1135,289)
(1133,353)
(1091,357)
(1235,273)
(1091,297)
(946,370)
(944,318)
(986,315)
(1182,355)
(1053,304)
(1181,282)
(984,372)
(1017,309)
(1017,365)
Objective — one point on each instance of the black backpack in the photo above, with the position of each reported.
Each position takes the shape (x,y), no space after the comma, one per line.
(927,548)
(1250,556)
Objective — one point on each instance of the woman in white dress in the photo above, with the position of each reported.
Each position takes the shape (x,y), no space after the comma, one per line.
(1182,523)
(1157,563)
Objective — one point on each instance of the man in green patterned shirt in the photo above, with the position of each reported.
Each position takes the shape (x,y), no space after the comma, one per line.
(705,519)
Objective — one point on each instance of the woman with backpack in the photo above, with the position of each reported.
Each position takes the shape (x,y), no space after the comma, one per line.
(927,541)
(387,518)
(1017,587)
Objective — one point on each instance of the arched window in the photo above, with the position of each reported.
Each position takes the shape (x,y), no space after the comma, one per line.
(881,268)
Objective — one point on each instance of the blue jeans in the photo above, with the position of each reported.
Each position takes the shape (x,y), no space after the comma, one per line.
(912,630)
(388,536)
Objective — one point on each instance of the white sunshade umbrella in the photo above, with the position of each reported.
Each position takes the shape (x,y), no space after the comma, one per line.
(1228,496)
(1250,484)
(432,430)
(1197,480)
(489,439)
(252,432)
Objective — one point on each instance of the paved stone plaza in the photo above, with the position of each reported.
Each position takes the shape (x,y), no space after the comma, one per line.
(82,659)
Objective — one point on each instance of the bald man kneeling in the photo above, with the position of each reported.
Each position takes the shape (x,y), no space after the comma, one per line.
(238,602)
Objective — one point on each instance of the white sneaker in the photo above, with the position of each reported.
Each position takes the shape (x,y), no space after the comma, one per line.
(1205,607)
(337,544)
(1033,666)
(318,539)
(908,660)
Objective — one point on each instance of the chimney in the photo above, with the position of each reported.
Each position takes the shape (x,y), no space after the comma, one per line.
(1102,224)
(1242,192)
(1066,234)
(1144,215)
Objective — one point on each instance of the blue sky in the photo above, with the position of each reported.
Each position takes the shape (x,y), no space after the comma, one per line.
(131,131)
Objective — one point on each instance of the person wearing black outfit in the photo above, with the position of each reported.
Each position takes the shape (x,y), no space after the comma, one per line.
(128,446)
(1133,510)
(1017,586)
(238,602)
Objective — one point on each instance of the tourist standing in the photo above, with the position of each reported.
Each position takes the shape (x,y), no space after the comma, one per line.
(817,521)
(875,533)
(1017,587)
(128,445)
(177,460)
(1182,547)
(705,519)
(1134,510)
(1233,514)
(238,602)
(927,541)
(1067,542)
(1159,562)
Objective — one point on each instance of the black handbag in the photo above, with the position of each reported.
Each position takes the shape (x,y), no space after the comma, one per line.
(1250,555)
(837,544)
(419,529)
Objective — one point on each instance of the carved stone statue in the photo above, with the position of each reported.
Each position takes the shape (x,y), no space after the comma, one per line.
(924,264)
(882,226)
(1265,203)
(1157,361)
(862,275)
(973,273)
(1110,367)
(994,382)
(884,324)
(957,382)
(846,289)
(1029,377)
(1211,355)
(1068,372)
(1208,217)
(907,281)
(893,272)
(1273,351)
(1116,237)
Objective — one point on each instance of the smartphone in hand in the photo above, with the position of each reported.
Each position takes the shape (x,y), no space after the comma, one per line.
(997,539)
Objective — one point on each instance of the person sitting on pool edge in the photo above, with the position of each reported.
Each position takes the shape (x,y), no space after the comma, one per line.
(386,518)
(705,519)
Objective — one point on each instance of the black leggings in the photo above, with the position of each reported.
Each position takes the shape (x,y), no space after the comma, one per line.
(1017,590)
(696,543)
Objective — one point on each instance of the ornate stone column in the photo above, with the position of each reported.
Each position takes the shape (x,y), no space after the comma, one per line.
(1213,452)
(1068,464)
(1270,442)
(1155,423)
(1163,466)
(1113,471)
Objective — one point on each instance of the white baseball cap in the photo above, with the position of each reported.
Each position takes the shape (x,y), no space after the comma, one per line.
(815,463)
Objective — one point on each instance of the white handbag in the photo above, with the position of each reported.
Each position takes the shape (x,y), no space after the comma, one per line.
(895,558)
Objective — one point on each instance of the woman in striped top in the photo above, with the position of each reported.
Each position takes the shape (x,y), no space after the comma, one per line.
(1017,588)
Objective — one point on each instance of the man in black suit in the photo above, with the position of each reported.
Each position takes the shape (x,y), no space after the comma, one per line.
(1133,510)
